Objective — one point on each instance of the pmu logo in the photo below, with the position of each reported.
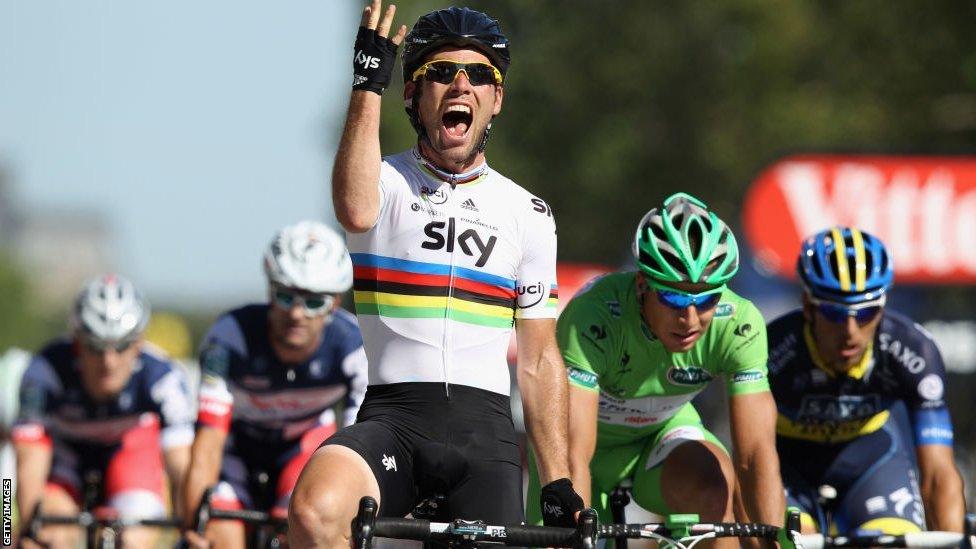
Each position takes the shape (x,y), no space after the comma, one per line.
(536,291)
(689,375)
(368,62)
(469,241)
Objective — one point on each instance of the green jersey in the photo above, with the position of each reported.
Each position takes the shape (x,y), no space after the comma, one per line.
(608,348)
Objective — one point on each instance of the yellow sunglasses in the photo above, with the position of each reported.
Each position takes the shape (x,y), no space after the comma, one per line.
(443,71)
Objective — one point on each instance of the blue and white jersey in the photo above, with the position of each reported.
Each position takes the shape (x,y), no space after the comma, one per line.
(55,405)
(247,391)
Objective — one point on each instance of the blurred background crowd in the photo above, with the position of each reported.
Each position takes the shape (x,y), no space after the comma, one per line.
(168,142)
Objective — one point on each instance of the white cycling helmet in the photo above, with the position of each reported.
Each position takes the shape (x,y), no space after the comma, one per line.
(309,256)
(110,308)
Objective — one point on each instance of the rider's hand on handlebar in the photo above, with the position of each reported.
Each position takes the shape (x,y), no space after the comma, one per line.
(560,504)
(195,540)
(787,534)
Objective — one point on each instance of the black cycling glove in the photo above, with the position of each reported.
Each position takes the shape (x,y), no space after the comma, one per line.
(560,503)
(373,63)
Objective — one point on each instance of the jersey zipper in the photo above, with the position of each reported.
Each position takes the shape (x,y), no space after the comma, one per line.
(445,353)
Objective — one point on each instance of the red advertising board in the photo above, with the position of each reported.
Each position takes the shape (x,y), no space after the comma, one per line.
(922,207)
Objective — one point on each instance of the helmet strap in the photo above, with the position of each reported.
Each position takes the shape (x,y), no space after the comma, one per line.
(484,138)
(413,112)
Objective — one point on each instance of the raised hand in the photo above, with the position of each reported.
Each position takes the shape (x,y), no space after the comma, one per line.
(375,53)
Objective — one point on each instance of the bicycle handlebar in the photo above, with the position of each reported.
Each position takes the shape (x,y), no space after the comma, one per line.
(86,519)
(425,530)
(366,526)
(920,540)
(205,513)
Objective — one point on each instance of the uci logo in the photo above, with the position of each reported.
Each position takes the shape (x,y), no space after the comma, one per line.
(434,196)
(469,241)
(368,62)
(537,290)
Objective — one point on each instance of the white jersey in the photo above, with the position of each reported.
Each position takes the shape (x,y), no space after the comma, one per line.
(444,273)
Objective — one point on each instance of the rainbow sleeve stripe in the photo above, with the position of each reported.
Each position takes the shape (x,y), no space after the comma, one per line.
(400,288)
(553,297)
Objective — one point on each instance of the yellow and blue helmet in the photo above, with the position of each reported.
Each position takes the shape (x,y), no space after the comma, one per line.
(845,265)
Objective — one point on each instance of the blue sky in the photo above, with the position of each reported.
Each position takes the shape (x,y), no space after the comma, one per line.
(195,128)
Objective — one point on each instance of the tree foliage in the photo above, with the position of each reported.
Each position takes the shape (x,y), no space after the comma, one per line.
(22,323)
(610,106)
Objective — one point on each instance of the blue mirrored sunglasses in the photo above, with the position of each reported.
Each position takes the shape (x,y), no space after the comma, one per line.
(838,313)
(313,304)
(676,299)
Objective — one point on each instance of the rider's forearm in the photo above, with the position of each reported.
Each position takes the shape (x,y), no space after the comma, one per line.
(203,472)
(544,390)
(198,479)
(762,487)
(177,460)
(33,465)
(579,473)
(942,495)
(356,172)
(583,427)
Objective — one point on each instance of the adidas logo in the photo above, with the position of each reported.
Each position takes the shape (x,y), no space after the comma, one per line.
(469,205)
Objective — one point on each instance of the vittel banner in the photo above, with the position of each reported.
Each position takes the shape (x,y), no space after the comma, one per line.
(922,207)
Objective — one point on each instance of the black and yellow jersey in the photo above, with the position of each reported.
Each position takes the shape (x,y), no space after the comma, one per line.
(817,406)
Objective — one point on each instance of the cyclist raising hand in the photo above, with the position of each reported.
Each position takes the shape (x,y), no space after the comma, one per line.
(448,256)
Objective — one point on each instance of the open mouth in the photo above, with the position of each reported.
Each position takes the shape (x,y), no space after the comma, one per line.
(456,120)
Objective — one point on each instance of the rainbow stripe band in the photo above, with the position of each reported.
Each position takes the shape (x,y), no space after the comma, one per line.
(400,288)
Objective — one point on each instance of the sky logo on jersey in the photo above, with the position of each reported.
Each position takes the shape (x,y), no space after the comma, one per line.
(688,376)
(469,241)
(540,206)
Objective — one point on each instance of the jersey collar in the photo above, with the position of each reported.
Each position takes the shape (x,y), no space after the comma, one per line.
(858,371)
(448,177)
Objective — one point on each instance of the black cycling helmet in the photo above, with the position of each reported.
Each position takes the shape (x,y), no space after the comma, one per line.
(454,27)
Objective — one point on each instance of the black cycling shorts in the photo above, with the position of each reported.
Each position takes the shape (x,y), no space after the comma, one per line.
(402,424)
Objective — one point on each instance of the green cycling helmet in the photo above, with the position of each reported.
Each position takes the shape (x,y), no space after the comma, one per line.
(684,242)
